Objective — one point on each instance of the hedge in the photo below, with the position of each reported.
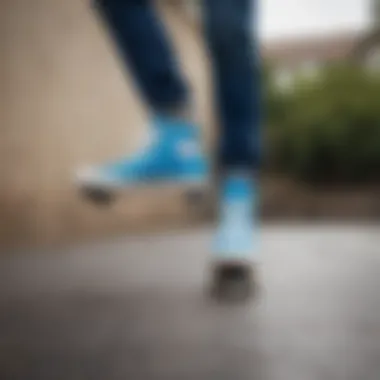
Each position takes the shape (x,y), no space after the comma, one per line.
(327,128)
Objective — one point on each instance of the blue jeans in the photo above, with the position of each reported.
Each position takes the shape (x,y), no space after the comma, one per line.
(231,38)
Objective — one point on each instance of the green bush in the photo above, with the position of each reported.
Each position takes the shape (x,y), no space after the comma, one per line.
(328,128)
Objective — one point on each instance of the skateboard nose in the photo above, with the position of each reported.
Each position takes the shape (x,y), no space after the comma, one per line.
(87,175)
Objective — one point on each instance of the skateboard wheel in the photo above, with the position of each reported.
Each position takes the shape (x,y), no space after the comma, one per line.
(233,282)
(97,196)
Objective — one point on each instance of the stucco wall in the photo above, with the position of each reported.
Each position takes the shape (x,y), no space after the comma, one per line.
(65,101)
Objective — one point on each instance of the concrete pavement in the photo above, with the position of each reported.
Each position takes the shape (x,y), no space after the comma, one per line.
(134,308)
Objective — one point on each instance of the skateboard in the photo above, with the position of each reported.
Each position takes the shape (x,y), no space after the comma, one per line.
(106,197)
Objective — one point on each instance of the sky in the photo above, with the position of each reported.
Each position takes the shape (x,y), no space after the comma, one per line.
(286,18)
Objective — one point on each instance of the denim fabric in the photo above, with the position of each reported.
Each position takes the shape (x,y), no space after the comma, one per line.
(232,41)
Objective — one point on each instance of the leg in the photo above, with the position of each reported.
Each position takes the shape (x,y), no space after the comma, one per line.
(175,154)
(229,30)
(145,48)
(233,49)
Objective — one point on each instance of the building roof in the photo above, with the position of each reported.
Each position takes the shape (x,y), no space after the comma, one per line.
(290,52)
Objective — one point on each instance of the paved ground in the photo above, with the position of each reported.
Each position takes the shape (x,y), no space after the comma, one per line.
(133,308)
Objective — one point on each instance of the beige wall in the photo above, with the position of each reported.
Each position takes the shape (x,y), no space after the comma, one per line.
(65,101)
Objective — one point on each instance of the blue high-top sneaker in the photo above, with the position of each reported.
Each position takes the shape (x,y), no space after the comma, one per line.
(235,240)
(234,275)
(173,156)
